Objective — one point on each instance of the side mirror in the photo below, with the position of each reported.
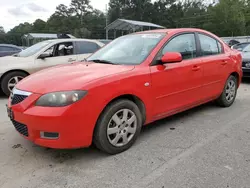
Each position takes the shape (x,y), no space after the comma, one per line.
(44,55)
(171,57)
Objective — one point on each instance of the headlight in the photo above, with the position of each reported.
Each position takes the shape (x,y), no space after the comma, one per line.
(59,99)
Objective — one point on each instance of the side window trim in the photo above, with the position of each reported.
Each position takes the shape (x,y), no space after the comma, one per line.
(44,50)
(217,42)
(158,55)
(55,45)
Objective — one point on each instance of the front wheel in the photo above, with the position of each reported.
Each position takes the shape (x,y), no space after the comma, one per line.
(228,96)
(118,127)
(10,80)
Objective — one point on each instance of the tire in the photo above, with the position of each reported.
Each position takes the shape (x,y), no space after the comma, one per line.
(11,77)
(103,140)
(223,100)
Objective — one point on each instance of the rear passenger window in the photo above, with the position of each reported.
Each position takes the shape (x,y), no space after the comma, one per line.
(85,47)
(209,45)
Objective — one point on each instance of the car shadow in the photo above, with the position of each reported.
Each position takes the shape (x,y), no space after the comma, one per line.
(2,95)
(177,118)
(55,156)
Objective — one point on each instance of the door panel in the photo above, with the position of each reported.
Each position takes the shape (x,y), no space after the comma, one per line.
(53,61)
(215,74)
(215,64)
(176,85)
(62,53)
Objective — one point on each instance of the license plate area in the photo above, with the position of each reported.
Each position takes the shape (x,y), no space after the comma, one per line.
(10,113)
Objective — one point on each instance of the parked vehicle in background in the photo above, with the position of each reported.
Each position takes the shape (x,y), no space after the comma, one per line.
(105,41)
(43,55)
(9,49)
(233,42)
(22,47)
(135,80)
(240,46)
(245,52)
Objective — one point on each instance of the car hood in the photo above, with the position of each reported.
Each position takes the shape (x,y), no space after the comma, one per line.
(245,55)
(68,77)
(9,60)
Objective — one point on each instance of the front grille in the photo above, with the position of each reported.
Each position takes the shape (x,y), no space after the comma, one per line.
(17,99)
(21,128)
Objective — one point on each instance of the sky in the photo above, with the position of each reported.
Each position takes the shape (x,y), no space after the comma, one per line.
(14,12)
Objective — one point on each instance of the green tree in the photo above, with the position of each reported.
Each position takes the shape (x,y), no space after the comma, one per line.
(62,10)
(39,26)
(80,8)
(2,30)
(227,18)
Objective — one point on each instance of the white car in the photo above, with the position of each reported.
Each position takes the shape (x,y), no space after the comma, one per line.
(43,55)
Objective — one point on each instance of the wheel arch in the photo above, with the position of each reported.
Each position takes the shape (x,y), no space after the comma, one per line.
(14,70)
(134,98)
(236,74)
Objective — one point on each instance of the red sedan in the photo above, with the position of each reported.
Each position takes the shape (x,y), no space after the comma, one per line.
(134,80)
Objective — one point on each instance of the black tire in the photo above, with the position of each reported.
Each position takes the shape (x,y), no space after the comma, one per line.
(222,100)
(101,139)
(7,78)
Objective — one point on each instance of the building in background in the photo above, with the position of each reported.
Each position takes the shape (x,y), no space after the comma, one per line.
(33,38)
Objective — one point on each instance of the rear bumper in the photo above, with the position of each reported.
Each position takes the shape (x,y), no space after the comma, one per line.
(246,72)
(74,125)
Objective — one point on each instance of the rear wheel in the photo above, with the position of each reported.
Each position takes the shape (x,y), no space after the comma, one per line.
(228,96)
(118,127)
(10,80)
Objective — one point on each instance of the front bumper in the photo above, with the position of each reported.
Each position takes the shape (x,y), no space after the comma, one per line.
(74,124)
(246,72)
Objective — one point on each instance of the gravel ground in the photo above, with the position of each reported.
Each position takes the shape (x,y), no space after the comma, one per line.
(205,147)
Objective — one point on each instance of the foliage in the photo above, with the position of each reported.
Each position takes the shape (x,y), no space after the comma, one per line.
(224,17)
(2,30)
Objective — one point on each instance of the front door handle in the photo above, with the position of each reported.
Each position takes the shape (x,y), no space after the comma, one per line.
(224,62)
(71,60)
(196,68)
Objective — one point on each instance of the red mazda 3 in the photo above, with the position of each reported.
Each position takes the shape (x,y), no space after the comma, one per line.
(134,80)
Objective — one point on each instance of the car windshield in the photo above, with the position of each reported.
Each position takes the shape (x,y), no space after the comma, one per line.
(128,50)
(240,46)
(246,49)
(33,49)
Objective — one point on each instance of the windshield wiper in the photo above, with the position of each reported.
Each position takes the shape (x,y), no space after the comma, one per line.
(102,61)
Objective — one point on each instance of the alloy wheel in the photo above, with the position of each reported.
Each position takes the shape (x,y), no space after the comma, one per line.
(230,90)
(13,81)
(122,127)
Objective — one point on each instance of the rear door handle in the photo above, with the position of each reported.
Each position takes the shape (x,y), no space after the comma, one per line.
(196,68)
(71,60)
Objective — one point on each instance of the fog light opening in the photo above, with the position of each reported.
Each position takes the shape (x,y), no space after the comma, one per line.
(49,135)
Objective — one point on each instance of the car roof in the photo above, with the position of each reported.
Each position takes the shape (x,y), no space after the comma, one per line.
(177,30)
(72,39)
(9,45)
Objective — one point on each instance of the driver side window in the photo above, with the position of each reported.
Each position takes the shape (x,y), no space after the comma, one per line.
(50,51)
(184,44)
(61,49)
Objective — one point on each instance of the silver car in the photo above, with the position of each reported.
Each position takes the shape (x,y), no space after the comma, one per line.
(43,55)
